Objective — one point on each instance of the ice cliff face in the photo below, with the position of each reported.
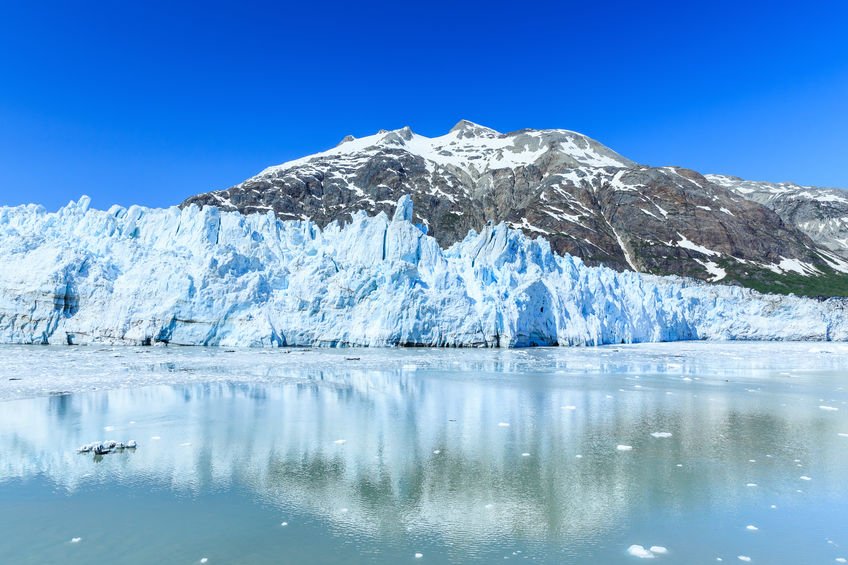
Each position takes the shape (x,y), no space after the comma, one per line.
(205,277)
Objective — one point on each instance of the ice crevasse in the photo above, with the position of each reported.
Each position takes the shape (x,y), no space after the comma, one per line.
(197,276)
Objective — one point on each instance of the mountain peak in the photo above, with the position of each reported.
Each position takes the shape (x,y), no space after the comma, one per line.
(465,128)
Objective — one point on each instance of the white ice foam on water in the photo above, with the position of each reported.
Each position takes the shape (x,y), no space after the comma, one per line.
(829,408)
(661,434)
(658,549)
(192,276)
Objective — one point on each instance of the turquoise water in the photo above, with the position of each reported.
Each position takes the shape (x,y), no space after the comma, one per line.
(480,463)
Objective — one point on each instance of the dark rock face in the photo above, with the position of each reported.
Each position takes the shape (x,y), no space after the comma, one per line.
(584,198)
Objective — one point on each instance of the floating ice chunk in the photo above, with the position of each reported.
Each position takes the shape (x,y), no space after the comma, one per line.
(185,444)
(658,549)
(842,435)
(751,528)
(204,560)
(841,560)
(569,407)
(343,510)
(578,456)
(436,451)
(488,506)
(751,485)
(640,552)
(109,428)
(419,555)
(661,434)
(743,558)
(503,424)
(806,478)
(340,441)
(624,447)
(679,465)
(284,524)
(828,408)
(105,447)
(773,506)
(525,454)
(752,460)
(76,540)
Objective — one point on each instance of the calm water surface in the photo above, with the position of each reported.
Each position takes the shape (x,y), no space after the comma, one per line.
(551,461)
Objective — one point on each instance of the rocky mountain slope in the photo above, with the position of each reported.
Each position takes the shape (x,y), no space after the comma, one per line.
(584,198)
(821,213)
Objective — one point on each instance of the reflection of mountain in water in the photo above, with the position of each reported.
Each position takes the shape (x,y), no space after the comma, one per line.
(429,451)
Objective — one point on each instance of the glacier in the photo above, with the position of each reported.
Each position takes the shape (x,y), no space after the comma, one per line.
(200,276)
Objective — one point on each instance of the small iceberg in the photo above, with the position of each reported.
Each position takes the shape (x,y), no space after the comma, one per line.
(642,553)
(104,447)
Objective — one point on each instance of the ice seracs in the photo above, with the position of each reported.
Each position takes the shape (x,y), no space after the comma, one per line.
(195,276)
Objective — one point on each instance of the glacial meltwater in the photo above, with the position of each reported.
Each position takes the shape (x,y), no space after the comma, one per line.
(681,453)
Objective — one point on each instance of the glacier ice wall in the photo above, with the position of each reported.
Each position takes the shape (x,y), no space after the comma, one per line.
(203,277)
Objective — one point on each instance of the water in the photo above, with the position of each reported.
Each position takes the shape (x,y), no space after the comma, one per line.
(459,456)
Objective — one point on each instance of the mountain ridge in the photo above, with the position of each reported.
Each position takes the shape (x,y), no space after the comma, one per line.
(585,198)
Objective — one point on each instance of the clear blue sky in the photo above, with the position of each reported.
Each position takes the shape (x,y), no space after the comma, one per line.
(149,102)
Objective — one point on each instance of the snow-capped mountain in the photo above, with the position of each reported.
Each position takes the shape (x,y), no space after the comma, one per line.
(584,198)
(207,277)
(821,213)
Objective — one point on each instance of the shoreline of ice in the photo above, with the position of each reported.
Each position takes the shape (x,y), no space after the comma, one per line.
(191,276)
(28,371)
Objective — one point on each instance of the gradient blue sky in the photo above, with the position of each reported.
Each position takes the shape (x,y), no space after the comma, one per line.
(149,102)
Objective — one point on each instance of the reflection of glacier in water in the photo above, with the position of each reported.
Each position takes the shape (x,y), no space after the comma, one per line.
(499,452)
